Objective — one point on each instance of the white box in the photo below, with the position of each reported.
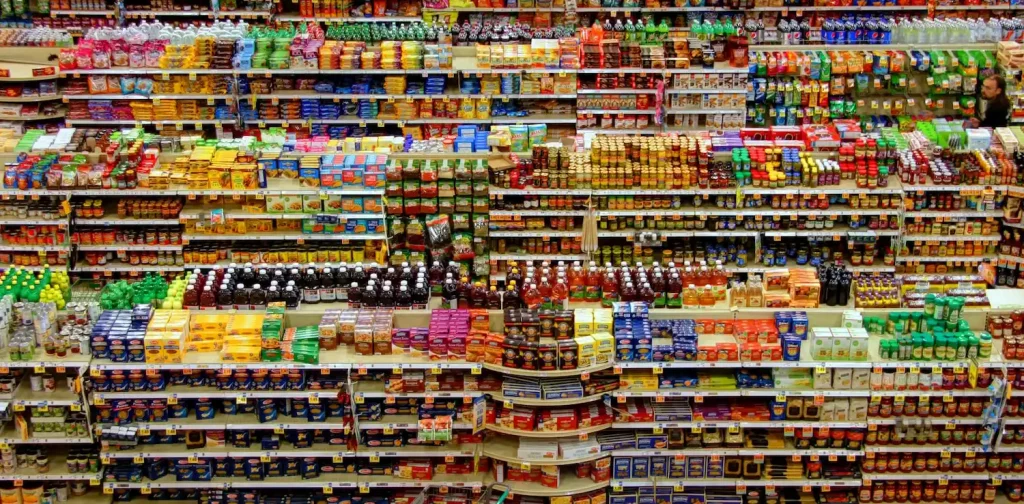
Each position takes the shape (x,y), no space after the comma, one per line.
(842,379)
(841,348)
(533,449)
(859,345)
(821,347)
(578,449)
(852,319)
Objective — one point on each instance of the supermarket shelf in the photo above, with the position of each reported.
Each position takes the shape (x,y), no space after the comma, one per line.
(568,484)
(930,476)
(963,46)
(402,422)
(599,131)
(159,451)
(47,440)
(558,373)
(730,483)
(229,214)
(969,259)
(683,111)
(538,257)
(187,392)
(965,188)
(923,449)
(37,117)
(957,238)
(318,19)
(284,237)
(239,422)
(80,12)
(705,91)
(375,390)
(740,393)
(533,233)
(24,396)
(34,248)
(28,99)
(967,214)
(333,480)
(398,97)
(147,97)
(530,401)
(58,472)
(537,212)
(617,111)
(440,480)
(724,424)
(744,452)
(14,221)
(580,433)
(113,220)
(616,91)
(126,246)
(419,451)
(89,122)
(526,191)
(119,267)
(506,449)
(73,360)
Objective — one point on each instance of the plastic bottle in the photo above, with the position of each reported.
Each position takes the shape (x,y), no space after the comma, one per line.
(478,296)
(493,298)
(369,297)
(420,294)
(386,298)
(628,292)
(674,292)
(404,298)
(559,294)
(720,282)
(328,294)
(707,297)
(191,297)
(290,297)
(225,297)
(532,298)
(311,287)
(354,295)
(609,292)
(241,295)
(207,299)
(690,298)
(646,293)
(450,293)
(273,294)
(257,296)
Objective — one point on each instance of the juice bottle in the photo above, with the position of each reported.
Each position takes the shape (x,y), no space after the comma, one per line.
(628,292)
(386,298)
(674,294)
(404,298)
(514,276)
(559,294)
(420,294)
(354,295)
(273,295)
(510,298)
(248,277)
(707,297)
(493,298)
(327,292)
(311,287)
(436,273)
(369,297)
(658,285)
(578,284)
(191,297)
(609,292)
(478,296)
(593,285)
(450,293)
(690,298)
(241,295)
(224,296)
(257,296)
(545,290)
(263,278)
(207,298)
(531,298)
(646,294)
(720,282)
(290,297)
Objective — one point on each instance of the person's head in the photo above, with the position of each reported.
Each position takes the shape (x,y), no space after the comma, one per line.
(992,87)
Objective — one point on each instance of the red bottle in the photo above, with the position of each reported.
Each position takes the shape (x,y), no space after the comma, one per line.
(609,291)
(191,297)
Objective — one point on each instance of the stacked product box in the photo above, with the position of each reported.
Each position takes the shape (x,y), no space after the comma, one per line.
(634,339)
(839,344)
(166,335)
(550,420)
(643,410)
(563,388)
(674,340)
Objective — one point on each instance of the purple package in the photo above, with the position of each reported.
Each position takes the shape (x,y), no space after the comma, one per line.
(401,340)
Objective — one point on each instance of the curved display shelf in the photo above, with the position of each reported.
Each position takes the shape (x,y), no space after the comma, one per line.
(569,484)
(530,401)
(505,449)
(548,434)
(547,374)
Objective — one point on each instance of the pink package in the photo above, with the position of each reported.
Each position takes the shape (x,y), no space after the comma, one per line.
(439,347)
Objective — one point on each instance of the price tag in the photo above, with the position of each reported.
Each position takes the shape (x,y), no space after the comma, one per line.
(695,430)
(144,431)
(193,459)
(658,370)
(172,399)
(314,398)
(759,458)
(364,488)
(584,436)
(833,458)
(138,459)
(826,488)
(699,399)
(658,430)
(678,488)
(741,488)
(946,454)
(279,429)
(108,490)
(241,399)
(328,489)
(170,431)
(337,459)
(796,457)
(479,369)
(374,458)
(389,430)
(265,458)
(436,370)
(525,466)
